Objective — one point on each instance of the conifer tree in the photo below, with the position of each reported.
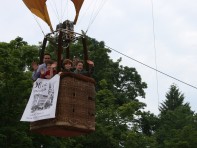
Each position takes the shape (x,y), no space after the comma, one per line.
(174,99)
(177,122)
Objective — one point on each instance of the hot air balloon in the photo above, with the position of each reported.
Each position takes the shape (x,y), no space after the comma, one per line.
(75,111)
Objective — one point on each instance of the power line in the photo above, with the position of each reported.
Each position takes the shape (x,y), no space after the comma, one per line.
(152,67)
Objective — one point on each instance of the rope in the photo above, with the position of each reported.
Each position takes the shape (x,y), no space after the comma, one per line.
(155,52)
(152,68)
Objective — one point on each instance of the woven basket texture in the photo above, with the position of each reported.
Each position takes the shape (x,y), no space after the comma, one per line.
(75,110)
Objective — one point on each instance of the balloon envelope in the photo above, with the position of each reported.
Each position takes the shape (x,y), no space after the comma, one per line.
(39,8)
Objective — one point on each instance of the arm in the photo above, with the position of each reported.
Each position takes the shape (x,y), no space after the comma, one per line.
(52,70)
(38,72)
(51,73)
(91,67)
(42,74)
(34,77)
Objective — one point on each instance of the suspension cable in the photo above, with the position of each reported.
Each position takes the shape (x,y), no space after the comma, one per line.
(80,19)
(38,24)
(55,9)
(95,4)
(96,14)
(65,8)
(61,13)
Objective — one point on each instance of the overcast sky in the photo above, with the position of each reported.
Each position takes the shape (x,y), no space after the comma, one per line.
(126,26)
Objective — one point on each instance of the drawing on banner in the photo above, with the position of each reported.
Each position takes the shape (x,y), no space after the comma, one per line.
(43,100)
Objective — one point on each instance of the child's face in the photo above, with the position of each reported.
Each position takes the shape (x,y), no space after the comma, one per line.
(67,66)
(75,60)
(79,66)
(35,66)
(48,66)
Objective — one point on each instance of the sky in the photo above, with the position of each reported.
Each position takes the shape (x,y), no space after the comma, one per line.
(159,33)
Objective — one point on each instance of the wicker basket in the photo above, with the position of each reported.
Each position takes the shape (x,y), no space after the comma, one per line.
(75,111)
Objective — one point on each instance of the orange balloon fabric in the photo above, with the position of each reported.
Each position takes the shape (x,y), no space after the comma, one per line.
(78,4)
(38,7)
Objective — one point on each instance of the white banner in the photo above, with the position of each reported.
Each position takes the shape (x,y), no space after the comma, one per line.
(43,100)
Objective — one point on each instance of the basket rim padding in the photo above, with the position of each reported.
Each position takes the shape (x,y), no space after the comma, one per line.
(77,76)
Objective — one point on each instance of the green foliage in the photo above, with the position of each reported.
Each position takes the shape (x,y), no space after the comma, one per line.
(174,100)
(138,140)
(148,123)
(177,124)
(116,100)
(14,92)
(15,88)
(120,119)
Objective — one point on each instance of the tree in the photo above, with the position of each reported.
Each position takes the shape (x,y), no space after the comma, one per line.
(177,123)
(117,101)
(15,89)
(118,89)
(174,99)
(148,123)
(14,92)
